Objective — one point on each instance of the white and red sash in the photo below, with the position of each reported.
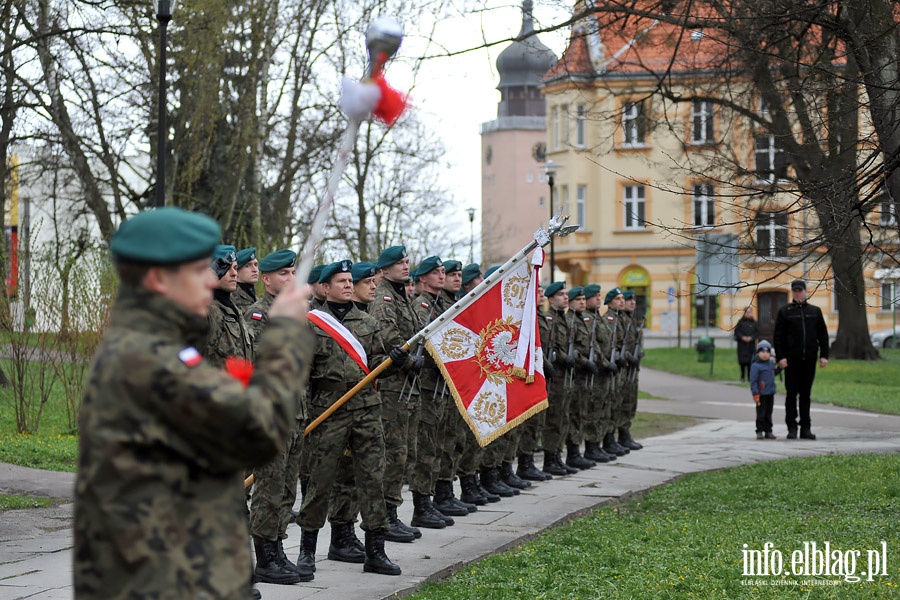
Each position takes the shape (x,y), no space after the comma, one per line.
(343,336)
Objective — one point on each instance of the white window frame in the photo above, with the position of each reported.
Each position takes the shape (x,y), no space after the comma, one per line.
(771,151)
(887,213)
(631,127)
(634,201)
(580,123)
(704,205)
(889,289)
(564,125)
(772,228)
(581,206)
(702,122)
(554,130)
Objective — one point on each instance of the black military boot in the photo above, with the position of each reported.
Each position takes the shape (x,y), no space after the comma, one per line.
(282,557)
(508,476)
(471,492)
(553,465)
(255,594)
(376,560)
(626,440)
(268,566)
(396,532)
(575,459)
(526,469)
(306,562)
(489,496)
(490,480)
(807,434)
(594,452)
(446,503)
(610,446)
(424,513)
(343,548)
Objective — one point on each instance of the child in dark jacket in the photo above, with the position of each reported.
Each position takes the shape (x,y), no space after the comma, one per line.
(762,386)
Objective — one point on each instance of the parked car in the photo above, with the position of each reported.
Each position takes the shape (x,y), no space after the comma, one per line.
(886,338)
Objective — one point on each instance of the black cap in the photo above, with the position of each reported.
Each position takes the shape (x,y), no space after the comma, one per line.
(798,284)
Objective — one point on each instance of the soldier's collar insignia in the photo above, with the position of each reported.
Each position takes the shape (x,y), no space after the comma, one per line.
(190,356)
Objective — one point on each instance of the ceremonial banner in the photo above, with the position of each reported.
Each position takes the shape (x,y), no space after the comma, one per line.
(490,355)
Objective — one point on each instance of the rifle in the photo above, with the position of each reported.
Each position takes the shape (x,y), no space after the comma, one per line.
(589,383)
(420,348)
(549,347)
(637,351)
(569,379)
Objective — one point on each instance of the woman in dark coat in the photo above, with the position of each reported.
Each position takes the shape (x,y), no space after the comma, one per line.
(745,332)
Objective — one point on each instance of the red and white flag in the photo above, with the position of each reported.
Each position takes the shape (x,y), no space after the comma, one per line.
(490,355)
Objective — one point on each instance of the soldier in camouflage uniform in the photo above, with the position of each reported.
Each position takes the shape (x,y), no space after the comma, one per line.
(580,379)
(596,415)
(393,311)
(615,302)
(227,331)
(558,396)
(630,386)
(274,483)
(424,472)
(247,276)
(533,427)
(355,425)
(159,505)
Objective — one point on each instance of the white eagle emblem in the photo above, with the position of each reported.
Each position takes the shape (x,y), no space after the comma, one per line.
(503,348)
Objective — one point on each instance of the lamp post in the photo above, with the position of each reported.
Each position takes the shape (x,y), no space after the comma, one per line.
(550,169)
(163,9)
(471,212)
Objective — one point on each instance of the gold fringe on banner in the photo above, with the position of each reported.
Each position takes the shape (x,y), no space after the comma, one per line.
(519,372)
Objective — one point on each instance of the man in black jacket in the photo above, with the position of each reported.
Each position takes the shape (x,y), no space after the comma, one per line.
(801,339)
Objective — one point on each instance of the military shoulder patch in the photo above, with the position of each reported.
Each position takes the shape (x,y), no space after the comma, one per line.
(549,318)
(424,304)
(190,356)
(387,299)
(610,319)
(256,316)
(587,319)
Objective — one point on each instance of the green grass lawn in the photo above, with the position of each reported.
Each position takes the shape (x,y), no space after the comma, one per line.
(686,539)
(8,502)
(869,385)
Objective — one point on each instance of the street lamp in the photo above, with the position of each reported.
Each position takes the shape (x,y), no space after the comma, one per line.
(471,212)
(550,169)
(163,9)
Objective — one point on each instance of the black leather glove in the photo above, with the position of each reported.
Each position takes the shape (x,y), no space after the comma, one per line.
(613,368)
(570,361)
(592,367)
(415,363)
(399,355)
(620,362)
(549,371)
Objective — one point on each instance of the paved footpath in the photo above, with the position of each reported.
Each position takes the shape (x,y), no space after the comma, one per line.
(35,545)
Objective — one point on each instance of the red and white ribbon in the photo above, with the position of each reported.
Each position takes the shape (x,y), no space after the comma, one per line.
(343,336)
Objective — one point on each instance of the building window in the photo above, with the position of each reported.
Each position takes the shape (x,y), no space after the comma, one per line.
(888,212)
(704,205)
(771,164)
(564,199)
(889,297)
(763,107)
(702,122)
(554,131)
(771,234)
(564,125)
(580,119)
(633,123)
(580,204)
(635,209)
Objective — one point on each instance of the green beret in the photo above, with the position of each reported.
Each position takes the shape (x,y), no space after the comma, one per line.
(245,256)
(165,236)
(490,271)
(470,272)
(341,266)
(314,274)
(452,266)
(392,255)
(223,258)
(428,265)
(591,290)
(554,287)
(279,259)
(629,294)
(612,294)
(575,292)
(362,270)
(223,250)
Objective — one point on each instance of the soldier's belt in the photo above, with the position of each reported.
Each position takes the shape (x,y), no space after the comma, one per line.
(333,386)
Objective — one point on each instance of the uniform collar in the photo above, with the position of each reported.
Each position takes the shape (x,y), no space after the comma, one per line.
(139,309)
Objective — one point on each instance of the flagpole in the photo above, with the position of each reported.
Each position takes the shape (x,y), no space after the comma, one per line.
(383,37)
(541,238)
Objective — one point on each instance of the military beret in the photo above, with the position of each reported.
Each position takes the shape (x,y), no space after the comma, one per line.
(452,266)
(612,294)
(575,292)
(392,255)
(554,287)
(165,236)
(591,290)
(490,271)
(413,273)
(341,266)
(244,256)
(629,294)
(223,257)
(362,270)
(470,272)
(279,259)
(428,265)
(314,274)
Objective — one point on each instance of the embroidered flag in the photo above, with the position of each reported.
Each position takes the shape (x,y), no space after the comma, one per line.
(491,358)
(190,356)
(343,336)
(257,316)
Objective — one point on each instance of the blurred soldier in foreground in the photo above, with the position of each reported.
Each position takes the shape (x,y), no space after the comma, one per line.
(165,437)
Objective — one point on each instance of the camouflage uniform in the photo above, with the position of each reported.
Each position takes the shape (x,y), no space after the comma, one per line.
(597,419)
(630,384)
(228,334)
(557,419)
(244,296)
(578,405)
(393,312)
(159,505)
(356,425)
